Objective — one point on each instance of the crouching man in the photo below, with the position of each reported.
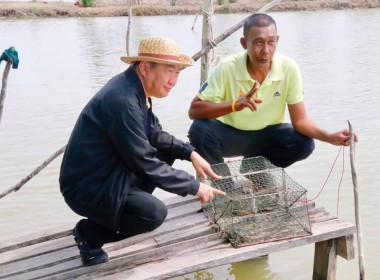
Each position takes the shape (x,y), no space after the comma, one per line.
(118,153)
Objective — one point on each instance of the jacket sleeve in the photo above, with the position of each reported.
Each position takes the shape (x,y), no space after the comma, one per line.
(167,143)
(125,126)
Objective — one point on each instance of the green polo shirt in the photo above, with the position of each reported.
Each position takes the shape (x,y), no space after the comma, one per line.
(282,85)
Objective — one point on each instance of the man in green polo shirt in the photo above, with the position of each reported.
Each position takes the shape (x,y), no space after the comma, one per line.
(240,109)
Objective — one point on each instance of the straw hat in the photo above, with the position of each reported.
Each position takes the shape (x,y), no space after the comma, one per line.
(159,50)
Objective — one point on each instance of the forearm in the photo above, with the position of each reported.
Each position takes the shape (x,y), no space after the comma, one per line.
(209,110)
(310,129)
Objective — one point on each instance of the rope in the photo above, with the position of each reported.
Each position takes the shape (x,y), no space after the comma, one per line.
(210,35)
(340,184)
(328,176)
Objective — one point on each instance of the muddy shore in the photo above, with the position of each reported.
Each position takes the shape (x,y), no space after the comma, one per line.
(155,7)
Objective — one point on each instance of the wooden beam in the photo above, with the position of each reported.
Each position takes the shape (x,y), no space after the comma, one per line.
(325,260)
(345,247)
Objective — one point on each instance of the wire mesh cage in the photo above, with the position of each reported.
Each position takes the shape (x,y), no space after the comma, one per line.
(262,204)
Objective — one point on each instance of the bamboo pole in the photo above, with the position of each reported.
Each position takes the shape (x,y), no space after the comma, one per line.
(233,29)
(4,86)
(129,26)
(16,187)
(357,208)
(206,38)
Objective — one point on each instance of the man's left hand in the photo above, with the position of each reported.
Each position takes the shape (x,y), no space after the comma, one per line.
(342,138)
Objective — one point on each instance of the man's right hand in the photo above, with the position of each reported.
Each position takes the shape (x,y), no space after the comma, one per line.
(247,101)
(206,192)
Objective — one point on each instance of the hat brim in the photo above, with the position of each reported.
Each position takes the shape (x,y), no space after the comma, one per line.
(184,60)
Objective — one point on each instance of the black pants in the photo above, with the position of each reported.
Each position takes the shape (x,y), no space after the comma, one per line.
(281,144)
(143,212)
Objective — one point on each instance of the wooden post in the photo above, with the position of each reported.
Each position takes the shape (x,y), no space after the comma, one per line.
(357,206)
(230,31)
(205,60)
(129,26)
(4,86)
(325,258)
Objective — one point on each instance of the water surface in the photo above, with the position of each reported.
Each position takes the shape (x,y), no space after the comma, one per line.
(63,62)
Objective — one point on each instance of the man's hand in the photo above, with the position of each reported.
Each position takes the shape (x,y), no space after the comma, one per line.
(341,138)
(247,101)
(206,193)
(202,166)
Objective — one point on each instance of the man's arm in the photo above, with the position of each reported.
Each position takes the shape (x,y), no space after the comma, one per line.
(304,125)
(200,109)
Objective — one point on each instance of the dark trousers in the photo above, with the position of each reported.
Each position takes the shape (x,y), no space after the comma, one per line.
(142,212)
(280,144)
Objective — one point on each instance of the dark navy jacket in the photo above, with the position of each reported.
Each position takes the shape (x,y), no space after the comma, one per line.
(113,145)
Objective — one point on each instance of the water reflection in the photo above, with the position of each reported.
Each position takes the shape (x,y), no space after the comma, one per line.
(252,269)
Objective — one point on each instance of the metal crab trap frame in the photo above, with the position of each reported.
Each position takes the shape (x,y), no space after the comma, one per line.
(262,204)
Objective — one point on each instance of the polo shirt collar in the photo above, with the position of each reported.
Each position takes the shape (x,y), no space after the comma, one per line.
(275,74)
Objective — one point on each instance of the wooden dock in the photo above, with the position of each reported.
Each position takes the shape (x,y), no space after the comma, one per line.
(184,243)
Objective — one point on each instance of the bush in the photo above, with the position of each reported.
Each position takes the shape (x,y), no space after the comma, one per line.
(232,1)
(87,3)
(220,2)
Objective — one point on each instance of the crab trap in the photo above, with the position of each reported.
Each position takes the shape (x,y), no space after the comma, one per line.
(262,204)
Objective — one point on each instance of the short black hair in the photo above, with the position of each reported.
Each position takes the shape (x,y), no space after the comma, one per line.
(257,20)
(137,63)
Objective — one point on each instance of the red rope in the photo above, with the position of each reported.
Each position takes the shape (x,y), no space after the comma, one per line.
(328,176)
(340,184)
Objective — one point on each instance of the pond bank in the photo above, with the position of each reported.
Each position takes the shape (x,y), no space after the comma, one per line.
(152,7)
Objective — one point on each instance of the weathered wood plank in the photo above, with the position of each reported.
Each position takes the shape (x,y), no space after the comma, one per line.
(345,247)
(183,210)
(66,230)
(223,254)
(47,259)
(325,258)
(130,261)
(175,236)
(35,250)
(171,245)
(35,238)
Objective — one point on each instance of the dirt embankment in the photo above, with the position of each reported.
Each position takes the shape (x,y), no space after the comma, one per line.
(155,7)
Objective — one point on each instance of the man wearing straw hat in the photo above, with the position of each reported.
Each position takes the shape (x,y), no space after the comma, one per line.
(117,154)
(240,109)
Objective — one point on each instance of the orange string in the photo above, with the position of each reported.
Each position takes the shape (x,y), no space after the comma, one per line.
(340,184)
(328,176)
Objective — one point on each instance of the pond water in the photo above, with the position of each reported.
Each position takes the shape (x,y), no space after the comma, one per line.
(63,62)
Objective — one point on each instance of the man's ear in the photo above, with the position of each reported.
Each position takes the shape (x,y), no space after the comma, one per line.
(143,67)
(243,43)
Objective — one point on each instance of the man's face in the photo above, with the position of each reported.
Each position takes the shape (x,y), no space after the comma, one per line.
(261,43)
(159,79)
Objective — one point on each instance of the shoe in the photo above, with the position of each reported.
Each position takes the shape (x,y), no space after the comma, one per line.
(89,256)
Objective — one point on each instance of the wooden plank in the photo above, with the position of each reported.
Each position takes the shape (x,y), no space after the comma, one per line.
(185,222)
(130,261)
(184,234)
(325,258)
(345,247)
(175,201)
(52,258)
(35,250)
(35,238)
(66,230)
(222,254)
(183,210)
(142,250)
(38,262)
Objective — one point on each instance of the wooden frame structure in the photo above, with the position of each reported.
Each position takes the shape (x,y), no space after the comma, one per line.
(185,243)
